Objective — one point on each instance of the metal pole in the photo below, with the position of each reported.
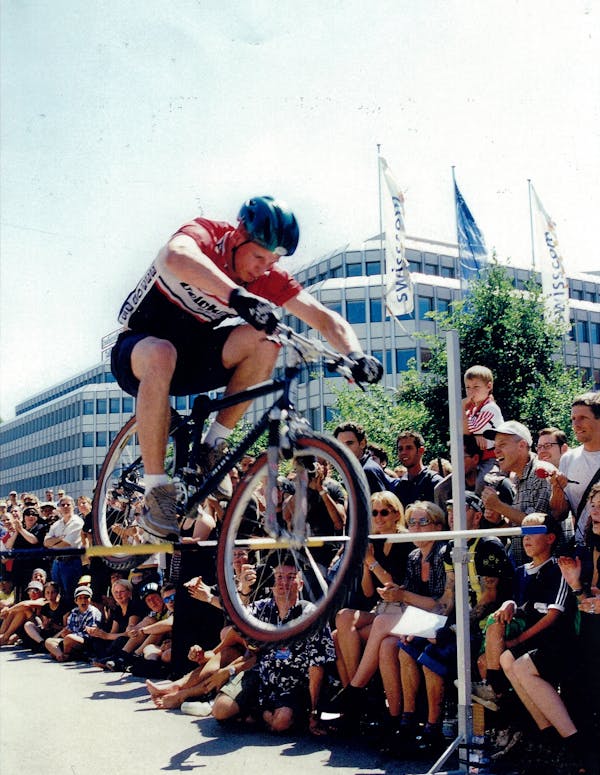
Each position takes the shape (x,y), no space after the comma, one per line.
(460,554)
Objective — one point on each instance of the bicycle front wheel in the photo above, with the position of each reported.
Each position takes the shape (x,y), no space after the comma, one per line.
(118,497)
(326,561)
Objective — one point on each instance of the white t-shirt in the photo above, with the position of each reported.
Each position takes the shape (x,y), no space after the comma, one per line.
(579,465)
(69,531)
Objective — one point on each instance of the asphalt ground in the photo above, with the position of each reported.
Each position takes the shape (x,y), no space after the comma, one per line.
(72,719)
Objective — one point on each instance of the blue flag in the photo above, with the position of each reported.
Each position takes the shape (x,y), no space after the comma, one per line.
(472,251)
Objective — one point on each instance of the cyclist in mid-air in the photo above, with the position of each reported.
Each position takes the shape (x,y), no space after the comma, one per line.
(181,335)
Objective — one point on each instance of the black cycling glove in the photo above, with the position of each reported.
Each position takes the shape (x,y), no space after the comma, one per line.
(366,368)
(260,313)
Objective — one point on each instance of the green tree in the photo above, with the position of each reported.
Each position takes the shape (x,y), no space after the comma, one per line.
(382,413)
(505,330)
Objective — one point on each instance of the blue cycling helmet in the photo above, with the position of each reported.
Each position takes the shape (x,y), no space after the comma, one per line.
(271,224)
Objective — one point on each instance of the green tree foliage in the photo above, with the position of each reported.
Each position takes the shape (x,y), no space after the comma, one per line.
(505,330)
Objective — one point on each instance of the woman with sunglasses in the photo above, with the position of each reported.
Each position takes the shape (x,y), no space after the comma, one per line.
(422,586)
(385,562)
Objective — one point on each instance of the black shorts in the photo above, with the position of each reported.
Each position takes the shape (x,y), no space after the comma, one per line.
(199,362)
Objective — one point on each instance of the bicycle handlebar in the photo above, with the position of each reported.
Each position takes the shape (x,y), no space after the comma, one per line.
(314,350)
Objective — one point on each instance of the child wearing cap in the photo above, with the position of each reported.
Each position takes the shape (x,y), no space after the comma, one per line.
(72,640)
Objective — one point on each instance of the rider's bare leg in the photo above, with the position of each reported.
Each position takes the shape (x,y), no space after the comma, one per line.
(153,363)
(253,357)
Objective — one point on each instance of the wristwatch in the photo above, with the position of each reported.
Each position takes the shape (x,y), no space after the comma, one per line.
(232,671)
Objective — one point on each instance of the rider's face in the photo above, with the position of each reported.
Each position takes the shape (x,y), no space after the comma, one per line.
(252,261)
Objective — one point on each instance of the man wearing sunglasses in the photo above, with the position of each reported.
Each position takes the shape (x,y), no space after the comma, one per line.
(65,533)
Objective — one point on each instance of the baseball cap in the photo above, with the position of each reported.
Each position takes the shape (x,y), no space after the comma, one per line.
(149,588)
(36,585)
(511,428)
(471,500)
(83,591)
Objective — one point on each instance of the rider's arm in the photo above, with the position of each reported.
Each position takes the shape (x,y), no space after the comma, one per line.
(338,332)
(188,263)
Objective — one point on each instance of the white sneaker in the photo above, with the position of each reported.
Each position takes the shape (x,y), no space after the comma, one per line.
(196,708)
(159,517)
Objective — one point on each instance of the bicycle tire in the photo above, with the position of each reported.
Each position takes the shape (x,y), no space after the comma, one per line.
(239,528)
(123,453)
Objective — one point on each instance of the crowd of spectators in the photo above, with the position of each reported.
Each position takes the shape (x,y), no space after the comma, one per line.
(534,601)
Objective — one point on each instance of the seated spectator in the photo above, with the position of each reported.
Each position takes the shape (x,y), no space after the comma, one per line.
(489,579)
(540,635)
(50,620)
(73,639)
(285,683)
(127,613)
(423,587)
(582,696)
(209,677)
(156,646)
(14,617)
(7,594)
(384,562)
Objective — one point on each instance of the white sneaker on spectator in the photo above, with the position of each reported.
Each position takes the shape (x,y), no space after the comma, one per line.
(196,708)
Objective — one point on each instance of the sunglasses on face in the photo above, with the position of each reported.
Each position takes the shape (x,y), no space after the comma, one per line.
(169,598)
(419,522)
(381,512)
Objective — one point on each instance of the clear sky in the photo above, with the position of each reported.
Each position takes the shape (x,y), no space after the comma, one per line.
(121,120)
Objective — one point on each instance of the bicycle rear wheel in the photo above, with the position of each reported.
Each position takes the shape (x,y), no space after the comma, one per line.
(118,496)
(323,580)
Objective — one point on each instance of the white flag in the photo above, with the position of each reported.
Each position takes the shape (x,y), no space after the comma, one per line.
(398,283)
(555,285)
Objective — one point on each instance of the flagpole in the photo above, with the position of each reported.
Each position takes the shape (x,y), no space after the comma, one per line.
(531,227)
(382,266)
(460,274)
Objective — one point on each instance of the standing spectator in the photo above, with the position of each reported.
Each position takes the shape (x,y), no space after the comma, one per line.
(551,445)
(353,436)
(419,482)
(579,468)
(66,533)
(49,495)
(29,535)
(532,494)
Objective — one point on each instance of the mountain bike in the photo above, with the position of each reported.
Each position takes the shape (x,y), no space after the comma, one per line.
(280,478)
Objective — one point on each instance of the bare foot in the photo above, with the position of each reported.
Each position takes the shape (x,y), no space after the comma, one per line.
(159,691)
(171,701)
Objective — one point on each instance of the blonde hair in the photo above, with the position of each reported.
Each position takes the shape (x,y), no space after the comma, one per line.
(434,512)
(479,372)
(393,503)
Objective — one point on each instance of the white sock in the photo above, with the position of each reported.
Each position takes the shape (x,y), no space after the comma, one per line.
(216,433)
(154,480)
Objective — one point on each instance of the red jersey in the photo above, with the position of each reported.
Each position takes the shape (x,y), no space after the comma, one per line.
(162,304)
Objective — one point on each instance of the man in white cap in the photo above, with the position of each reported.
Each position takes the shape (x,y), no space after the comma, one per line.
(513,444)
